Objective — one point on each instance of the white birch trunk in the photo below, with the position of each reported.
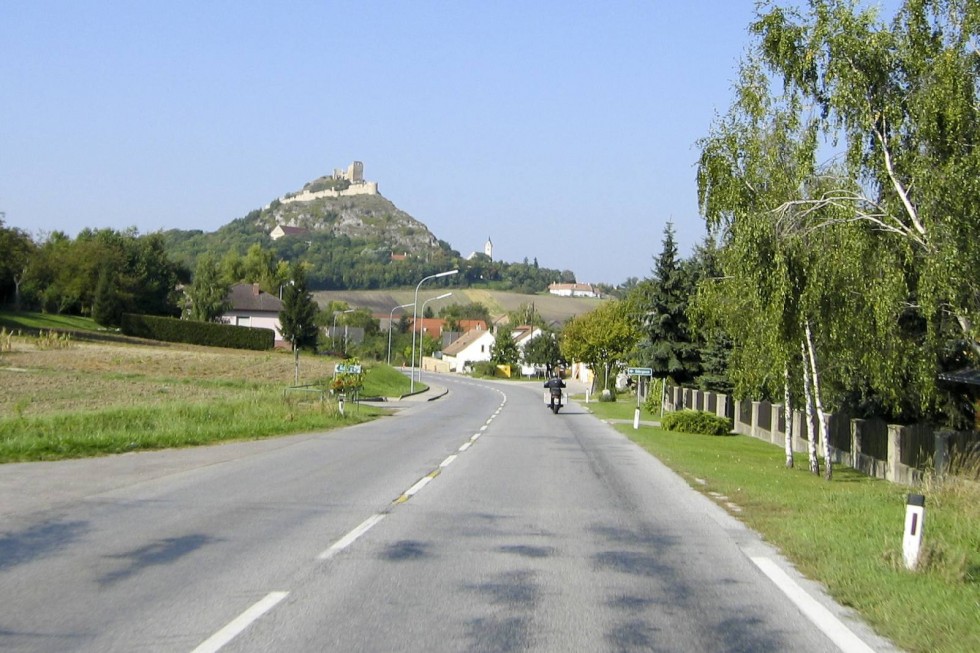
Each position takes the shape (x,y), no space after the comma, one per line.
(811,438)
(788,417)
(822,416)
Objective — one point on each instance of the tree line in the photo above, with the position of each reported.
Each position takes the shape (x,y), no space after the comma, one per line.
(841,196)
(104,273)
(340,262)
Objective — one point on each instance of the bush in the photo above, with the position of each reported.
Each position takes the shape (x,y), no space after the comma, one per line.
(170,329)
(607,395)
(485,369)
(652,403)
(696,421)
(654,393)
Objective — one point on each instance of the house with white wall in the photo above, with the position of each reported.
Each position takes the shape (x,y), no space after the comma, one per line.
(251,307)
(573,290)
(471,347)
(522,335)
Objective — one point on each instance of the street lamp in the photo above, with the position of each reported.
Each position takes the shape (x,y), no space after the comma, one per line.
(415,316)
(333,332)
(421,348)
(391,317)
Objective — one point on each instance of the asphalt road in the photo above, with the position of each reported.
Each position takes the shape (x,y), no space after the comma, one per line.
(477,522)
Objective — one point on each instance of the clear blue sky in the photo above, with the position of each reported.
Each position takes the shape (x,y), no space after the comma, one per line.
(563,130)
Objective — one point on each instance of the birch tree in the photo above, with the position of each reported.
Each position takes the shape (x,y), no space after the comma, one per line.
(904,102)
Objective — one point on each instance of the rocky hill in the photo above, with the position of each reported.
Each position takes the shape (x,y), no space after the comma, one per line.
(345,204)
(349,236)
(373,218)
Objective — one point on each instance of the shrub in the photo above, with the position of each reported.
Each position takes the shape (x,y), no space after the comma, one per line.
(485,369)
(652,403)
(696,421)
(607,395)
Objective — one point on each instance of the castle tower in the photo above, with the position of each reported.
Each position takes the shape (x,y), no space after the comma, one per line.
(355,173)
(488,248)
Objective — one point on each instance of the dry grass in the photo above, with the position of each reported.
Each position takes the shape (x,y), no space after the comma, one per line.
(94,376)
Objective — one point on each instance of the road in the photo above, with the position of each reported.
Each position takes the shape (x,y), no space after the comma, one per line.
(477,522)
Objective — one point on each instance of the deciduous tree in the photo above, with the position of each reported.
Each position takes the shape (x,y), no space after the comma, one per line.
(298,316)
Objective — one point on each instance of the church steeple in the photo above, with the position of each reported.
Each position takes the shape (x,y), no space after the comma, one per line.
(488,248)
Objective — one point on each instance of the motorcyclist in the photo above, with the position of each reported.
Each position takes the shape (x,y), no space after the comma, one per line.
(555,384)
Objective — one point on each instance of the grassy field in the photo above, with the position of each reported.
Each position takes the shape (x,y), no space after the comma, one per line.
(64,398)
(847,533)
(26,320)
(550,307)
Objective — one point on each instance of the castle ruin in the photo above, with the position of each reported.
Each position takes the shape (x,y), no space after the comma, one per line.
(353,174)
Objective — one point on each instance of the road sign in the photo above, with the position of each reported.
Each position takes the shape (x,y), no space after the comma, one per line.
(639,371)
(349,369)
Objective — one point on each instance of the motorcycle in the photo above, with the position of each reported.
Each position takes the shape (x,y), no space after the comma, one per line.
(553,395)
(553,400)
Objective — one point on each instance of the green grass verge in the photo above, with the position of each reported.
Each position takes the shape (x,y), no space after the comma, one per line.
(385,381)
(846,533)
(246,416)
(623,408)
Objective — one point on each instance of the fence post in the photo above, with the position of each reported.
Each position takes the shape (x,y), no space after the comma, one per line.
(894,452)
(776,434)
(941,456)
(857,433)
(721,405)
(754,430)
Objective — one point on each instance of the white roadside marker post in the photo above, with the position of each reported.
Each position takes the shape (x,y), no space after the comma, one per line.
(915,513)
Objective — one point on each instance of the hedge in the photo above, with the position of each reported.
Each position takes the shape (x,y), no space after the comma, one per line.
(169,329)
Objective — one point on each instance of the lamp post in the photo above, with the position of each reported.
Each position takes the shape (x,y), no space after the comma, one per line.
(421,347)
(333,332)
(415,315)
(391,317)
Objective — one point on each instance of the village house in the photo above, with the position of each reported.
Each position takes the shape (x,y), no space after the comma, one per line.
(573,290)
(471,347)
(522,335)
(251,307)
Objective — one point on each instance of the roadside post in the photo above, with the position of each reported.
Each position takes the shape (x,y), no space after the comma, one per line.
(915,509)
(638,372)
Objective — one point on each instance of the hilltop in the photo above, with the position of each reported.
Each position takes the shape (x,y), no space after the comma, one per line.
(349,236)
(345,204)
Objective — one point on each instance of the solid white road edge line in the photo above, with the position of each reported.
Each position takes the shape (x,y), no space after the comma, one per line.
(351,537)
(216,641)
(821,617)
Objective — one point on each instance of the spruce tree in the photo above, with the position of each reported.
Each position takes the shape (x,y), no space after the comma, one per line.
(671,350)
